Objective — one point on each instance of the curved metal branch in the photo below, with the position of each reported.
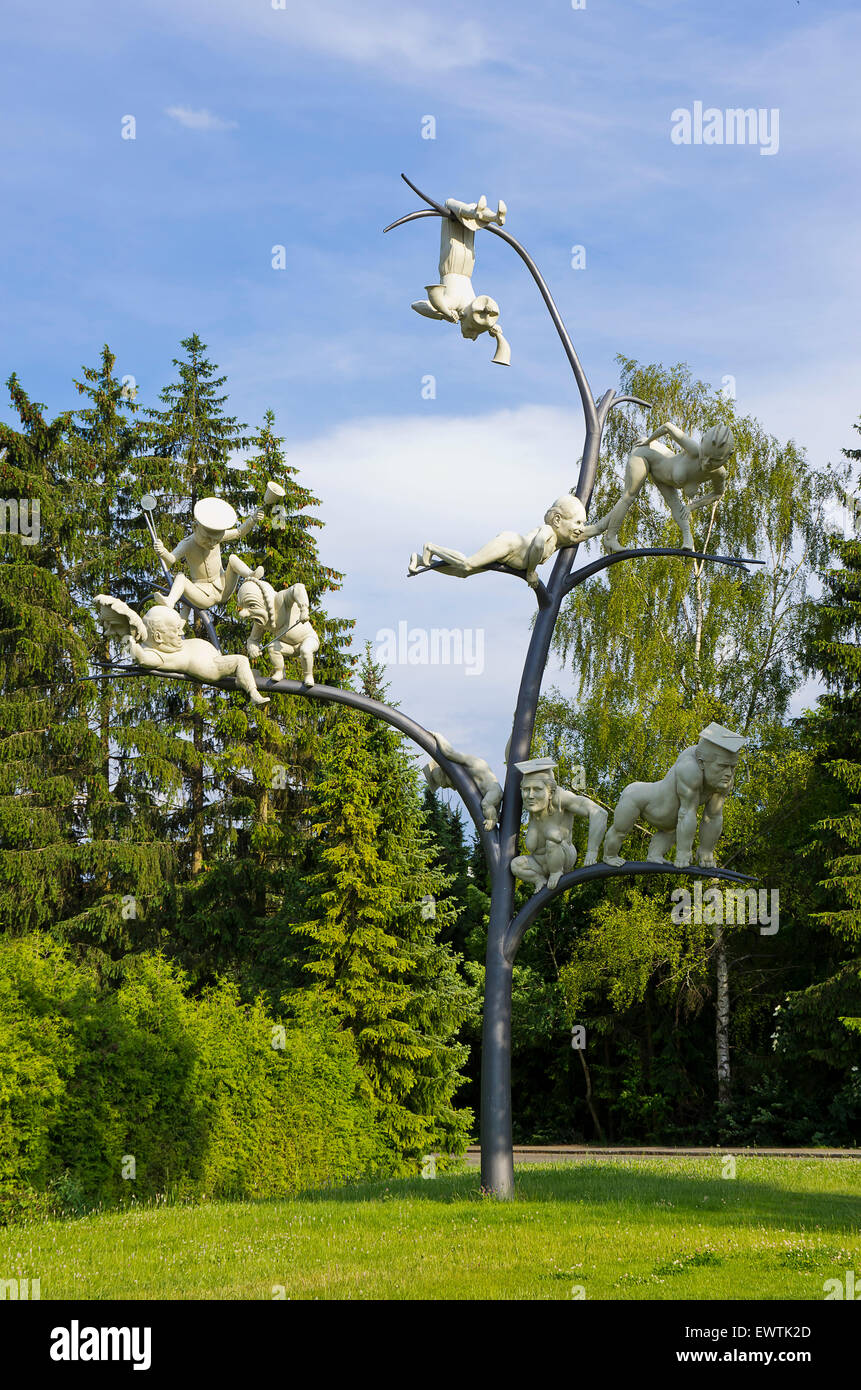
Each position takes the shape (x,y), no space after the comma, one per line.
(624,400)
(587,571)
(521,923)
(330,694)
(436,209)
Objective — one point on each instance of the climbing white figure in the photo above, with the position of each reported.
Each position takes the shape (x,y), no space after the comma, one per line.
(674,474)
(286,614)
(481,773)
(454,298)
(156,641)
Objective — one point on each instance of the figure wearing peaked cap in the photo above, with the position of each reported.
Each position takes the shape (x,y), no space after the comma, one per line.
(701,776)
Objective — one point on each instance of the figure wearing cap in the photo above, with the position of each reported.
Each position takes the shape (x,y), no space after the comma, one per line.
(551,822)
(210,582)
(701,776)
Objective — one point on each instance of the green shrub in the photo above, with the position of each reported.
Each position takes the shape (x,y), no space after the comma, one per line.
(205,1096)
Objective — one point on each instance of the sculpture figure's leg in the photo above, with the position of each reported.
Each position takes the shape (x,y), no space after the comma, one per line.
(636,473)
(679,512)
(240,667)
(624,820)
(528,870)
(183,588)
(659,846)
(235,570)
(276,656)
(308,647)
(490,804)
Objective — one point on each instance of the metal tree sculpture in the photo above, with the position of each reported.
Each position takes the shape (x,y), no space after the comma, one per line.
(500,844)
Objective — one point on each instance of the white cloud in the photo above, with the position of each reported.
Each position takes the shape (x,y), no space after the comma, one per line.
(198,120)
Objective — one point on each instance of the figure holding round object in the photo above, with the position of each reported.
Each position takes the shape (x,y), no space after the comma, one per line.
(208,581)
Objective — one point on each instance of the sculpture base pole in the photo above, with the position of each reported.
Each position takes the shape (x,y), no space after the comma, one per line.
(497,1158)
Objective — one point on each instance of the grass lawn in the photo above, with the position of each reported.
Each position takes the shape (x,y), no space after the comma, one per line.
(637,1229)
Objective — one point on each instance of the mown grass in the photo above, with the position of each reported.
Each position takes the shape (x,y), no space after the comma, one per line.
(638,1229)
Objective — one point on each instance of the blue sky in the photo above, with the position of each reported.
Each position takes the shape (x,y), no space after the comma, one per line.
(258,127)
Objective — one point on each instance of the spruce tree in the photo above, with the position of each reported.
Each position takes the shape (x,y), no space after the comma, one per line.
(373,943)
(60,868)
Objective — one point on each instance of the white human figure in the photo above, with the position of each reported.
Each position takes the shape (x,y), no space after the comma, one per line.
(156,641)
(454,298)
(286,615)
(210,581)
(673,474)
(701,776)
(551,823)
(481,773)
(564,524)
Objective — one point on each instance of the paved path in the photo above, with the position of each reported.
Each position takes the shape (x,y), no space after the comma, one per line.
(578,1153)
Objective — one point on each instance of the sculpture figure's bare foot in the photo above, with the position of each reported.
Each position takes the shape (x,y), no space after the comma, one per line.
(260,699)
(542,883)
(307,680)
(615,859)
(590,859)
(610,544)
(661,859)
(683,861)
(413,567)
(707,861)
(553,880)
(163,599)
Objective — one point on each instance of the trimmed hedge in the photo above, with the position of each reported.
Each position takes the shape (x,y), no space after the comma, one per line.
(207,1096)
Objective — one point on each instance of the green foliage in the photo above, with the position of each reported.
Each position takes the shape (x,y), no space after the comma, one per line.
(210,1096)
(377,957)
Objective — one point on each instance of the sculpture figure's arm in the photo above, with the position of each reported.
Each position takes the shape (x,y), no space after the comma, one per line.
(688,788)
(585,807)
(718,482)
(298,594)
(710,828)
(537,553)
(671,431)
(144,656)
(238,533)
(252,645)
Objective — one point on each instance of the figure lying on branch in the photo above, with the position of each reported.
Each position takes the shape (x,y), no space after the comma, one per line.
(564,524)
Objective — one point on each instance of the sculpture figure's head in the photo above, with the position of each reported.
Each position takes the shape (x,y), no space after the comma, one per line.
(718,750)
(256,601)
(566,518)
(479,316)
(537,785)
(212,517)
(164,628)
(716,445)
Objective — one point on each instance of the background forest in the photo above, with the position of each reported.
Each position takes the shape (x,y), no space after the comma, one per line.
(243,952)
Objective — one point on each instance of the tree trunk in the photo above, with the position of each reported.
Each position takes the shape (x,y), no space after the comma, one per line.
(722,1017)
